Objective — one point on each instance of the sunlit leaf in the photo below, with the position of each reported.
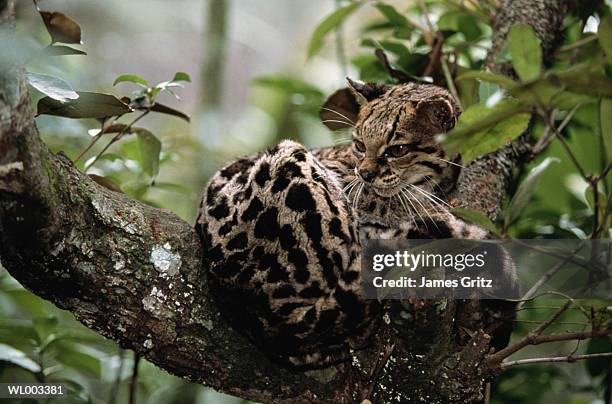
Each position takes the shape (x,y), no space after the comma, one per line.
(604,35)
(61,27)
(525,191)
(525,52)
(150,148)
(52,87)
(482,130)
(606,126)
(132,78)
(61,50)
(476,217)
(16,357)
(328,24)
(88,105)
(181,76)
(392,15)
(489,77)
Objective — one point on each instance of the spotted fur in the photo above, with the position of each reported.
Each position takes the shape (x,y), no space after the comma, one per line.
(282,228)
(283,256)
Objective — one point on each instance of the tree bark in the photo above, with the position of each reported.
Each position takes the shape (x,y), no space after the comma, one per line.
(134,274)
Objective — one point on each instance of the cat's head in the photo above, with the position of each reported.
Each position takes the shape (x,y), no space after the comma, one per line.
(394,136)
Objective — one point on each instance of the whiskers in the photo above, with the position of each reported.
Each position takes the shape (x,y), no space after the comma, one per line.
(345,119)
(449,162)
(357,186)
(413,199)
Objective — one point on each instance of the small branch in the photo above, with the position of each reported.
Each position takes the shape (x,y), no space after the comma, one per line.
(571,336)
(449,78)
(529,338)
(595,186)
(578,44)
(545,140)
(117,137)
(549,274)
(569,152)
(569,359)
(134,380)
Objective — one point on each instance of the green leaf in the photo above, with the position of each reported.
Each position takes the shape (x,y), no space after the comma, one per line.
(476,217)
(18,358)
(61,50)
(525,191)
(604,35)
(52,87)
(88,105)
(605,117)
(489,77)
(483,130)
(525,52)
(45,327)
(181,76)
(132,78)
(288,85)
(328,24)
(72,356)
(392,15)
(150,148)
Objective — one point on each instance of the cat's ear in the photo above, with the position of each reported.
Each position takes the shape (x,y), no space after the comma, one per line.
(440,113)
(340,110)
(366,92)
(342,107)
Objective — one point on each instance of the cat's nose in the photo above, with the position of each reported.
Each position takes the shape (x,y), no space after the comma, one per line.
(367,176)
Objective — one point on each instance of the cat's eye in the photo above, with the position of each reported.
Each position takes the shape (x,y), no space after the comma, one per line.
(397,151)
(359,146)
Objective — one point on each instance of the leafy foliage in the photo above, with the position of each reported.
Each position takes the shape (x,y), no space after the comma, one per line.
(549,200)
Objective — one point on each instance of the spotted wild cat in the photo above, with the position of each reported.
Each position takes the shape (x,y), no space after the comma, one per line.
(282,228)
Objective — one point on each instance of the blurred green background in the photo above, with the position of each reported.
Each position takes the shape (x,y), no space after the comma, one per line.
(253,84)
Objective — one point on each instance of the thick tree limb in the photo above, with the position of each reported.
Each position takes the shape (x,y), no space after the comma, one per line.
(134,274)
(483,185)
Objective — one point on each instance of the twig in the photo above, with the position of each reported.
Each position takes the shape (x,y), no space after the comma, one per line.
(549,274)
(117,137)
(569,152)
(97,137)
(578,43)
(545,140)
(530,337)
(569,359)
(581,262)
(443,62)
(595,186)
(134,380)
(449,78)
(571,336)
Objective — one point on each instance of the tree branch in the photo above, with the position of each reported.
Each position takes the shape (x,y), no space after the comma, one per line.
(483,184)
(569,359)
(134,273)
